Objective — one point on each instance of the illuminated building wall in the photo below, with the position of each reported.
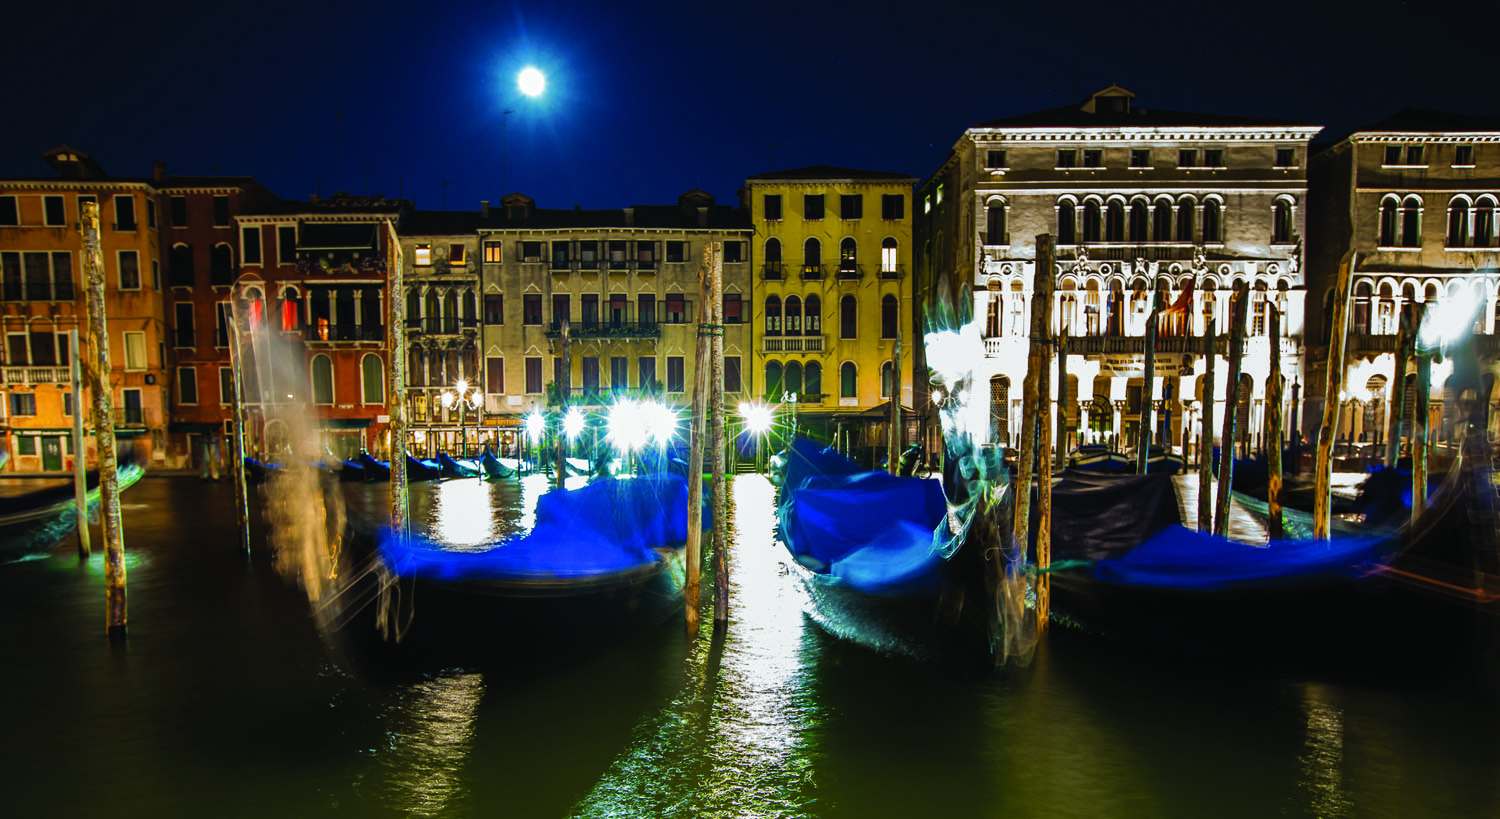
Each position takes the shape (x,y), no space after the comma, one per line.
(1415,196)
(41,273)
(833,291)
(1142,203)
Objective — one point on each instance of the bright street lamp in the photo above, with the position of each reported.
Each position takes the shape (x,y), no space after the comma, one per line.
(531,81)
(464,399)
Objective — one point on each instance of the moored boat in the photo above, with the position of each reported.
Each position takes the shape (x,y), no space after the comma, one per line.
(33,522)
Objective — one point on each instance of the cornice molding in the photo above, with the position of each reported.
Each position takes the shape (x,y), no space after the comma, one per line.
(1132,136)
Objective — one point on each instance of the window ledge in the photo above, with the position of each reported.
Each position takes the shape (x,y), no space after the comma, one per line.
(1383,165)
(1392,249)
(1465,166)
(1468,249)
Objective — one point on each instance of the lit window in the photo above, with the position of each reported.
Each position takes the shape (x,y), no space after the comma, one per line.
(491,252)
(888,256)
(424,255)
(455,254)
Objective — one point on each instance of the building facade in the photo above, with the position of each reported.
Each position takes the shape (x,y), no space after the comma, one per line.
(41,273)
(1149,209)
(833,297)
(1415,197)
(624,284)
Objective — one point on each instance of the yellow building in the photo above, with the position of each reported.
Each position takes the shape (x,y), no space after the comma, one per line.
(833,295)
(41,273)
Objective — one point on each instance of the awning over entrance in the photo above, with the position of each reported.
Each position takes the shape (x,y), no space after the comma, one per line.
(344,423)
(200,427)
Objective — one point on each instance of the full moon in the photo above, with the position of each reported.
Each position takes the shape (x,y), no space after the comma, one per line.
(532,82)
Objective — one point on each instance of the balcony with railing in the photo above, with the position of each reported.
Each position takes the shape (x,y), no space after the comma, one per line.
(892,272)
(183,337)
(812,272)
(623,329)
(321,330)
(792,344)
(849,271)
(1130,251)
(23,376)
(772,272)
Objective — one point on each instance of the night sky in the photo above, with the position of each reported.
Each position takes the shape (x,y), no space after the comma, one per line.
(647,100)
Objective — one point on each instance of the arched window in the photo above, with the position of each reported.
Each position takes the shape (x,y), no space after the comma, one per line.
(1388,223)
(291,309)
(1091,221)
(994,223)
(1208,302)
(413,305)
(1017,302)
(773,380)
(1186,209)
(1484,222)
(848,317)
(812,315)
(847,374)
(1114,222)
(1000,410)
(791,377)
(433,315)
(468,306)
(773,316)
(848,255)
(1258,309)
(322,380)
(793,316)
(450,313)
(890,316)
(1458,223)
(180,266)
(1411,222)
(372,378)
(773,258)
(221,264)
(1091,324)
(992,315)
(1139,221)
(887,382)
(1281,222)
(1067,308)
(890,260)
(1161,222)
(1067,225)
(1385,312)
(1210,221)
(812,379)
(812,257)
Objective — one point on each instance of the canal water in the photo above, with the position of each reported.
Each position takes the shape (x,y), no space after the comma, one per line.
(225,700)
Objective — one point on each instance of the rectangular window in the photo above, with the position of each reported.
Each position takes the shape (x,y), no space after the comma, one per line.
(26,444)
(771,209)
(15,349)
(423,255)
(1067,158)
(226,387)
(562,308)
(178,208)
(533,375)
(645,311)
(53,214)
(1213,158)
(182,330)
(619,373)
(156,275)
(734,252)
(455,253)
(1140,157)
(1286,157)
(994,159)
(250,245)
(124,212)
(492,253)
(68,411)
(1392,155)
(494,308)
(675,381)
(43,348)
(851,206)
(1414,155)
(733,308)
(130,270)
(676,252)
(589,308)
(560,254)
(494,375)
(676,312)
(1093,158)
(646,369)
(23,403)
(221,211)
(732,374)
(135,350)
(588,255)
(893,206)
(187,385)
(286,244)
(1463,156)
(531,252)
(531,308)
(1187,158)
(812,207)
(132,401)
(645,255)
(10,215)
(150,213)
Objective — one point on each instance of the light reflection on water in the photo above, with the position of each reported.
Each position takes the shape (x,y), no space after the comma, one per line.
(430,743)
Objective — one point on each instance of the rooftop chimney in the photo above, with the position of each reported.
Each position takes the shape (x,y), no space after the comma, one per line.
(484,208)
(159,171)
(629,217)
(703,217)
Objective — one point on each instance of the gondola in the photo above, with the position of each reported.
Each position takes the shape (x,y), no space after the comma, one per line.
(257,471)
(601,559)
(418,471)
(493,468)
(32,523)
(374,471)
(351,471)
(451,468)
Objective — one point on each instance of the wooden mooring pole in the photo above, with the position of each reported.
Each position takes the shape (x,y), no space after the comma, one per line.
(1148,397)
(1206,431)
(1063,404)
(1420,434)
(80,446)
(1273,426)
(1031,421)
(396,404)
(238,413)
(98,373)
(565,391)
(695,456)
(893,438)
(1239,305)
(714,256)
(1404,344)
(1323,468)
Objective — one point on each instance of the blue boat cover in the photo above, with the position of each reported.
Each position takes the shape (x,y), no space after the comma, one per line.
(607,526)
(1181,558)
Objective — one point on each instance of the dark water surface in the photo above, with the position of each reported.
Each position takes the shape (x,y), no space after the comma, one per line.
(226,701)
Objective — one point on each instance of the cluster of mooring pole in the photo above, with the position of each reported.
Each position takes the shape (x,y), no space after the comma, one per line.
(397,403)
(80,451)
(98,372)
(1239,304)
(708,417)
(1036,432)
(1206,429)
(1323,468)
(1143,447)
(238,322)
(1272,434)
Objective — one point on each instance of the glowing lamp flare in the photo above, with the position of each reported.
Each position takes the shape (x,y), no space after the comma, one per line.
(661,422)
(532,82)
(572,423)
(627,425)
(535,426)
(758,417)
